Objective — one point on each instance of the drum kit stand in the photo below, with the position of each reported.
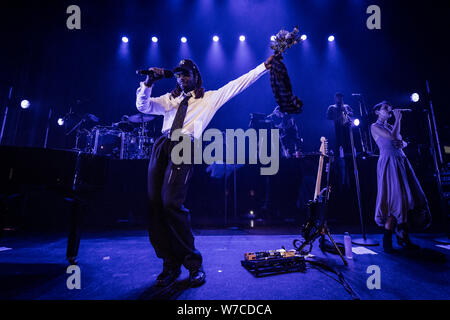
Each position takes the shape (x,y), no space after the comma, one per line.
(127,139)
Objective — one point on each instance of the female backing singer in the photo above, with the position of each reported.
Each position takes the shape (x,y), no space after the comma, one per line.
(400,198)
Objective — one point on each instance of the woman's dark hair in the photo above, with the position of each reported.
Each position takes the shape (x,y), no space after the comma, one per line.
(199,91)
(379,105)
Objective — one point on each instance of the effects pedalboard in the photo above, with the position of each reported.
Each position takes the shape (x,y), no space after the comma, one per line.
(272,262)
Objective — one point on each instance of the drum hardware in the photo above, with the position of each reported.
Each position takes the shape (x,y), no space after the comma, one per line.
(140,118)
(126,139)
(77,128)
(108,141)
(125,126)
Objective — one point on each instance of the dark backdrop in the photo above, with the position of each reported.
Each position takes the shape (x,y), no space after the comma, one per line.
(91,70)
(88,70)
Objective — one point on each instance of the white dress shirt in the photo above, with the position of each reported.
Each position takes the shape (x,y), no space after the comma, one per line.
(199,110)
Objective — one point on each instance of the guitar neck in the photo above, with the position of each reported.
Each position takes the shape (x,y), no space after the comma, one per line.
(319,178)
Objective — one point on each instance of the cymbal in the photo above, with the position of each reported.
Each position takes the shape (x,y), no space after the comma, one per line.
(140,117)
(126,126)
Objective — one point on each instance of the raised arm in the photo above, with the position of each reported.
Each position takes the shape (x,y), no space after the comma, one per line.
(151,105)
(397,142)
(348,110)
(396,128)
(233,88)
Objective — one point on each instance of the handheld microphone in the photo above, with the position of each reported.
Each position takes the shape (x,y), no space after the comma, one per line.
(404,110)
(150,73)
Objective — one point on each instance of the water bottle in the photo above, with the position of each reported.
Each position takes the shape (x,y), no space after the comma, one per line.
(348,246)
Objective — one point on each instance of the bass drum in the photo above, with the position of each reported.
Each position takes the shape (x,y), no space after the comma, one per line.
(108,142)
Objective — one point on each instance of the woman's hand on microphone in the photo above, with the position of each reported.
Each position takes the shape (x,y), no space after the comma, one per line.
(397,114)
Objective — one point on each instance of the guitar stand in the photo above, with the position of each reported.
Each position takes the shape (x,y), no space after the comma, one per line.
(335,245)
(316,226)
(324,231)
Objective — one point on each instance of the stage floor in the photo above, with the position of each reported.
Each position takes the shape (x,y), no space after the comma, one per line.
(122,265)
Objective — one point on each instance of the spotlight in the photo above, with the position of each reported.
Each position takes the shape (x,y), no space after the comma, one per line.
(124,39)
(215,38)
(356,122)
(242,38)
(415,97)
(183,39)
(154,39)
(304,37)
(272,38)
(331,38)
(25,104)
(60,121)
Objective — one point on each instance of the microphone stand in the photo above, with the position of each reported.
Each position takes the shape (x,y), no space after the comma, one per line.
(362,241)
(437,165)
(48,128)
(365,134)
(5,116)
(441,161)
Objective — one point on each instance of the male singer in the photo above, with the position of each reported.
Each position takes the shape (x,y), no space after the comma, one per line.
(169,221)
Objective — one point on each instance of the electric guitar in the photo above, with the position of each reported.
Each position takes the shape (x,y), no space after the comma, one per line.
(314,225)
(323,153)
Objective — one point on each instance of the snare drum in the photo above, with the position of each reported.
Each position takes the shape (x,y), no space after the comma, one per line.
(108,142)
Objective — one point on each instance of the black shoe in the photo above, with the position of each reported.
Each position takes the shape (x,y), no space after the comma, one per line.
(387,242)
(406,243)
(197,277)
(403,239)
(167,277)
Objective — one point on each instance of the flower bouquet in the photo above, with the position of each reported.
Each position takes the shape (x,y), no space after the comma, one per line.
(284,40)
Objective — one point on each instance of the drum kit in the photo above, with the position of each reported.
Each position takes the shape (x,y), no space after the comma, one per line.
(126,139)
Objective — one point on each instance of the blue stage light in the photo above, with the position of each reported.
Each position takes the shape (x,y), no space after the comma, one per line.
(356,122)
(154,39)
(215,38)
(183,39)
(304,37)
(124,39)
(242,38)
(331,38)
(25,104)
(415,97)
(60,121)
(272,38)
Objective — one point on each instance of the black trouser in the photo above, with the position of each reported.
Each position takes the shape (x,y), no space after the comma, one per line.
(169,221)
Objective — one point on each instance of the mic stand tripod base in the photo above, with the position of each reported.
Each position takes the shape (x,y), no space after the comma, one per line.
(365,242)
